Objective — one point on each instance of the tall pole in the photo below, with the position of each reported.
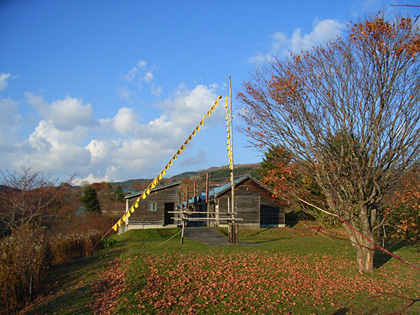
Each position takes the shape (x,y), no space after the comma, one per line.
(231,152)
(195,196)
(233,226)
(207,199)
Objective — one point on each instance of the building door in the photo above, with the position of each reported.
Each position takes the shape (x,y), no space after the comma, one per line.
(269,216)
(169,206)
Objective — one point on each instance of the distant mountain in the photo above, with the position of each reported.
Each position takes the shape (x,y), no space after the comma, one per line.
(216,173)
(130,182)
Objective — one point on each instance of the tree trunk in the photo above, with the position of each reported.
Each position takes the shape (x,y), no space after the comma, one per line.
(365,259)
(365,252)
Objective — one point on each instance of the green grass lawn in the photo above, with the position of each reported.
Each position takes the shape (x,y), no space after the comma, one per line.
(285,271)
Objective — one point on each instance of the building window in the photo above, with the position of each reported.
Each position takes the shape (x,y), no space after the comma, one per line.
(152,206)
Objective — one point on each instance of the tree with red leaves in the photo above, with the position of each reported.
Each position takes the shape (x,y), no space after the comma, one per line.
(348,112)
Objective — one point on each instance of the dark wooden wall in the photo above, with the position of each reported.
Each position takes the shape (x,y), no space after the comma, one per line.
(254,204)
(142,215)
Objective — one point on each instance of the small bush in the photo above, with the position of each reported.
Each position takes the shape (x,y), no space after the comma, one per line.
(23,267)
(108,242)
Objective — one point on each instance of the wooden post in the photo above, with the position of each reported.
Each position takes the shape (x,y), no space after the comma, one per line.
(207,198)
(183,228)
(126,210)
(187,196)
(233,226)
(195,196)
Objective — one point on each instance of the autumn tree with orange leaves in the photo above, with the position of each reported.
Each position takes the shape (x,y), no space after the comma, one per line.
(403,205)
(348,111)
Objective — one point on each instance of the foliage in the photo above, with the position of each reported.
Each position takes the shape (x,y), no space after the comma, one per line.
(108,288)
(109,201)
(41,234)
(90,199)
(348,111)
(224,174)
(404,206)
(77,236)
(275,157)
(26,254)
(23,266)
(108,242)
(28,196)
(119,194)
(280,171)
(67,247)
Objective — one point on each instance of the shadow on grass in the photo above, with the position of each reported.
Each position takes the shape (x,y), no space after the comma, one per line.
(382,258)
(272,240)
(295,216)
(262,230)
(341,311)
(69,286)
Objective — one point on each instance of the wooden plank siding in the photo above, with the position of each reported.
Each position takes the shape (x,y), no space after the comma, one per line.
(166,198)
(254,204)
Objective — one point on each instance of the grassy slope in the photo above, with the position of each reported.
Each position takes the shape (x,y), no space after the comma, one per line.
(289,270)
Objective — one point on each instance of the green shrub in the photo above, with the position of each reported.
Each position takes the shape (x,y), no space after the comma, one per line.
(108,242)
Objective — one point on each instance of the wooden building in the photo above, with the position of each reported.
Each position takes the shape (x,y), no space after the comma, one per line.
(255,206)
(255,203)
(153,212)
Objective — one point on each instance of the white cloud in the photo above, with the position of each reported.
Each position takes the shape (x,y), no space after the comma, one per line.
(56,137)
(3,80)
(125,93)
(148,77)
(141,64)
(65,114)
(54,150)
(139,76)
(10,123)
(145,147)
(125,122)
(130,76)
(323,31)
(8,112)
(281,45)
(68,139)
(156,91)
(187,107)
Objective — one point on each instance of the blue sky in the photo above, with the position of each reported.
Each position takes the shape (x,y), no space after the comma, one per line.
(111,89)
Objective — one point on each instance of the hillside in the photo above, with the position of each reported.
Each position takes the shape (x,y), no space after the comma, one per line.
(215,174)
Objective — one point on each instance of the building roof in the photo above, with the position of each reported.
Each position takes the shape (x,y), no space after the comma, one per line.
(198,198)
(157,188)
(216,192)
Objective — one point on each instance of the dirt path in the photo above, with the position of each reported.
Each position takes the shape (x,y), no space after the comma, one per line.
(210,236)
(206,235)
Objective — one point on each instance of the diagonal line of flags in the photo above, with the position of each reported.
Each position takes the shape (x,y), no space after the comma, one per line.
(155,181)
